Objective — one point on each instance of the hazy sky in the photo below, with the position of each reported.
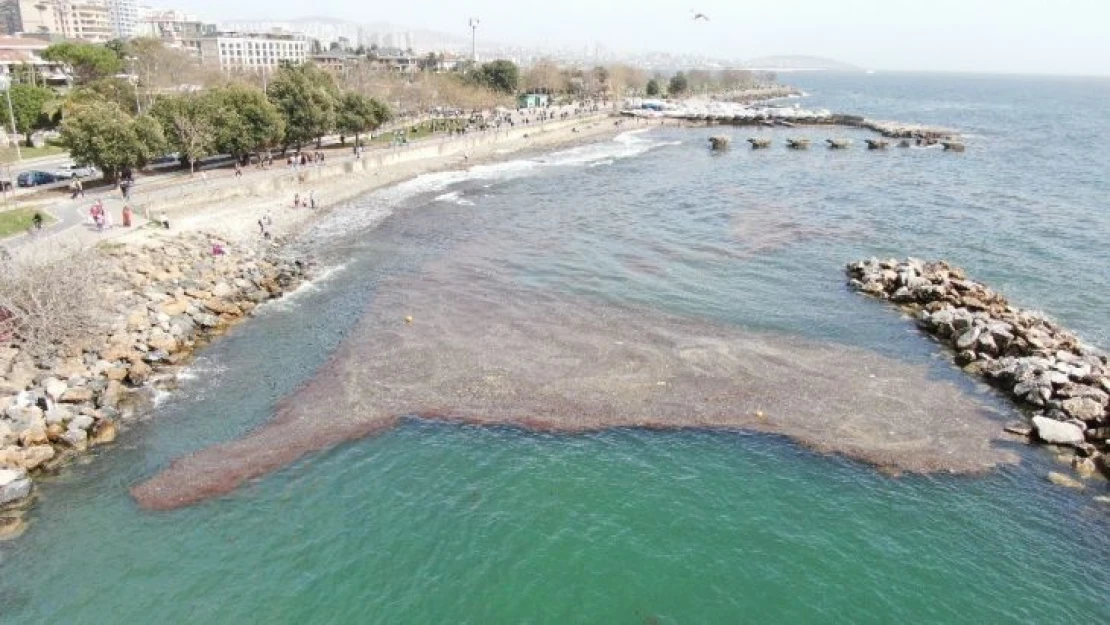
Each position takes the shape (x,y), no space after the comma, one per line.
(1027,36)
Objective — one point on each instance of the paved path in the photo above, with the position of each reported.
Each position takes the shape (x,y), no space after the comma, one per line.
(74,228)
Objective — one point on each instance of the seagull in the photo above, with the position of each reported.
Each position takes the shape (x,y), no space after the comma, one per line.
(700,16)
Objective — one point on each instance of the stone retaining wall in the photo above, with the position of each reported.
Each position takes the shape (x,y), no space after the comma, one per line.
(164,300)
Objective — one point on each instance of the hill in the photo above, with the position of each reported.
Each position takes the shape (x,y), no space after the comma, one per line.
(800,62)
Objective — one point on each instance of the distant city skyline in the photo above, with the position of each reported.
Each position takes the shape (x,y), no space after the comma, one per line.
(1013,36)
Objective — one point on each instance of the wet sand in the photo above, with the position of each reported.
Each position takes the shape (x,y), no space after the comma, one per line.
(482,350)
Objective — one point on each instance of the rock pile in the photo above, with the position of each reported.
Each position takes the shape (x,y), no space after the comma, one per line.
(164,299)
(1064,383)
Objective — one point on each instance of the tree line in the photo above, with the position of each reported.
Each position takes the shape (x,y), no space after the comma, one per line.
(103,120)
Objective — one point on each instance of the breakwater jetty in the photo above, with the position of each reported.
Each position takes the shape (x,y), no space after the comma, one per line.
(762,114)
(1063,383)
(163,299)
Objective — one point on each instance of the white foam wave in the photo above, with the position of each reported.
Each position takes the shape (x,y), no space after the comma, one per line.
(368,212)
(454,197)
(625,145)
(292,298)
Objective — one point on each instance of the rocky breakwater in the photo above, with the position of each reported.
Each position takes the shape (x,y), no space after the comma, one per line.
(161,301)
(1063,383)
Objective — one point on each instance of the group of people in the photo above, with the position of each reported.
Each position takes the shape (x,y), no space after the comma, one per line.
(102,218)
(303,159)
(308,201)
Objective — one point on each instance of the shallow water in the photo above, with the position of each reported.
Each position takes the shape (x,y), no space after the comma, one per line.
(433,522)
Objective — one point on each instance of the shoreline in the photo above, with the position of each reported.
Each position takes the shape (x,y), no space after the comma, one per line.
(169,295)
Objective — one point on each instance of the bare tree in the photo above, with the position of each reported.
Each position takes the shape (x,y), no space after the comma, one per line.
(46,303)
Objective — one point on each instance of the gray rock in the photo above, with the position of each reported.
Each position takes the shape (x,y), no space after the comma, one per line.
(1056,432)
(206,320)
(223,290)
(54,387)
(902,295)
(968,339)
(987,344)
(1084,408)
(76,438)
(14,485)
(58,414)
(81,422)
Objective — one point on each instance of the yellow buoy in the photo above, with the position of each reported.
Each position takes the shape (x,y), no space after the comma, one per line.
(408,318)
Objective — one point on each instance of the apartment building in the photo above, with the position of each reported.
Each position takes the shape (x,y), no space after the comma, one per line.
(252,51)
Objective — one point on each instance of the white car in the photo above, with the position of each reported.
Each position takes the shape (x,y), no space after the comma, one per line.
(76,171)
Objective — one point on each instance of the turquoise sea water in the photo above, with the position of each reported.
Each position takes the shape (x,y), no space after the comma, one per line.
(432,523)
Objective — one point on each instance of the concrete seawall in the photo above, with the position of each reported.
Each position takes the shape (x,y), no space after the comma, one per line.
(348,177)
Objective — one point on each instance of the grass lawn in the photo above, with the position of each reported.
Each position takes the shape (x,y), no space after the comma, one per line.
(7,155)
(19,219)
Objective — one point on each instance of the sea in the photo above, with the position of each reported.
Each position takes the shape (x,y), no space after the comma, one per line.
(434,522)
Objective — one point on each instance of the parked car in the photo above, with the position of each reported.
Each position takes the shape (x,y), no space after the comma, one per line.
(76,171)
(36,178)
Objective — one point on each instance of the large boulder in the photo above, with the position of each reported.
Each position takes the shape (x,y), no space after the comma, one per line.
(36,456)
(78,439)
(14,485)
(223,290)
(1083,408)
(82,422)
(1057,432)
(78,395)
(54,388)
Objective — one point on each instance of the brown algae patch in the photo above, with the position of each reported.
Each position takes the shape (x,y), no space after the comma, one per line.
(483,352)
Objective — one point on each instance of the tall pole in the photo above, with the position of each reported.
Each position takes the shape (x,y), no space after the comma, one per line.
(135,81)
(6,84)
(474,39)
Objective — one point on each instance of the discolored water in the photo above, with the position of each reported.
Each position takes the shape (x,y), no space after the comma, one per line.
(551,271)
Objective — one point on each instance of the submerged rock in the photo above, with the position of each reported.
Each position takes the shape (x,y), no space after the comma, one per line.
(1060,479)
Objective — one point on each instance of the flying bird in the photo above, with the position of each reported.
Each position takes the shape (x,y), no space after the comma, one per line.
(700,16)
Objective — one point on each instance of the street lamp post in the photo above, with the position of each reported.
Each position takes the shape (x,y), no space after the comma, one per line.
(5,84)
(474,39)
(135,81)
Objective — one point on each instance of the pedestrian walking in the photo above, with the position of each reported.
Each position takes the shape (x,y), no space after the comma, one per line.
(238,170)
(126,216)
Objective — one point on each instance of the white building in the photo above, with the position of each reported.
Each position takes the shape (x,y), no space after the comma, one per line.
(252,51)
(176,29)
(124,15)
(89,20)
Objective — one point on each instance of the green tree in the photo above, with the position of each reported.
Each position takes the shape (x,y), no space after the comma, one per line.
(652,89)
(501,75)
(88,61)
(102,134)
(307,97)
(120,47)
(29,108)
(359,114)
(188,124)
(678,84)
(244,120)
(119,91)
